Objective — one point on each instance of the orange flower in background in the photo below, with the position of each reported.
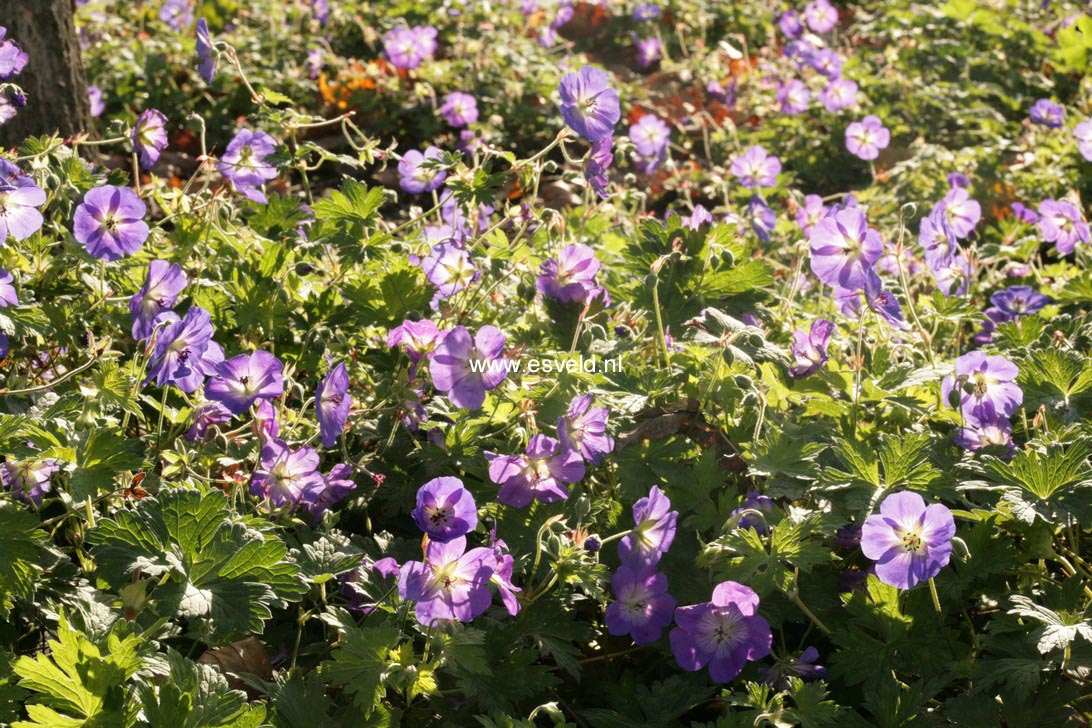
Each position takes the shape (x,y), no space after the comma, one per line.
(355,78)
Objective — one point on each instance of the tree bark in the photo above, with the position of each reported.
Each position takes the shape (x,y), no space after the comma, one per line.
(53,79)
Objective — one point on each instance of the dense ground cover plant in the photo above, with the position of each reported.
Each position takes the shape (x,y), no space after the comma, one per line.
(552,363)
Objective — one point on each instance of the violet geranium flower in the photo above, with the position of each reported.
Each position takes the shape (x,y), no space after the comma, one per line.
(723,634)
(241,380)
(642,608)
(650,136)
(449,268)
(751,509)
(909,541)
(986,385)
(19,216)
(802,666)
(150,137)
(865,138)
(445,509)
(406,48)
(1061,223)
(756,168)
(12,58)
(588,104)
(1047,113)
(110,222)
(464,368)
(158,294)
(1083,134)
(451,584)
(243,163)
(599,161)
(844,249)
(184,350)
(459,109)
(570,276)
(840,93)
(332,404)
(794,97)
(821,16)
(205,51)
(415,176)
(583,428)
(29,480)
(653,531)
(204,417)
(286,476)
(809,350)
(960,212)
(336,485)
(419,338)
(8,295)
(541,474)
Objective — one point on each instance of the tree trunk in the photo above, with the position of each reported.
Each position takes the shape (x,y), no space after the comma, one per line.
(53,79)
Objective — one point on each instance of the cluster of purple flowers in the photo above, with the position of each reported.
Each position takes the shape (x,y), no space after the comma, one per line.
(1009,305)
(794,96)
(984,389)
(951,220)
(29,480)
(591,108)
(452,584)
(12,62)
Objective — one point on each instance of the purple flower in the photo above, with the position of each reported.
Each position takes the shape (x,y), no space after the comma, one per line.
(648,51)
(790,24)
(990,435)
(1047,113)
(12,58)
(94,95)
(844,249)
(286,476)
(110,222)
(336,485)
(827,62)
(583,428)
(756,168)
(150,137)
(883,302)
(265,423)
(588,104)
(332,403)
(243,163)
(957,179)
(204,417)
(908,541)
(419,338)
(803,666)
(1061,223)
(810,213)
(540,474)
(599,161)
(646,12)
(960,212)
(821,16)
(177,13)
(1019,300)
(315,62)
(936,239)
(184,350)
(449,268)
(642,608)
(241,380)
(8,294)
(502,577)
(653,531)
(840,93)
(750,518)
(865,138)
(321,10)
(570,276)
(28,480)
(207,69)
(953,274)
(1024,213)
(986,385)
(1083,134)
(763,218)
(464,368)
(698,216)
(445,509)
(794,98)
(408,47)
(19,216)
(809,351)
(451,584)
(459,109)
(415,176)
(159,293)
(848,536)
(724,633)
(650,136)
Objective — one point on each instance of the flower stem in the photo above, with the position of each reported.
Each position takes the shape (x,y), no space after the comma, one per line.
(936,597)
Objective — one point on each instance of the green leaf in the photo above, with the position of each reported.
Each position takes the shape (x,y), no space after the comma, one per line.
(324,559)
(20,547)
(354,203)
(79,683)
(300,702)
(190,696)
(218,573)
(359,662)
